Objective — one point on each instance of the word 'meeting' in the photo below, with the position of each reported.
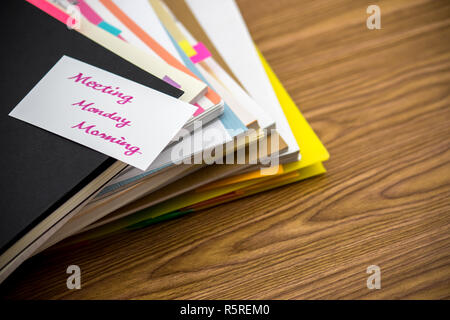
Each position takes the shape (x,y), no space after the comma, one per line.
(102,88)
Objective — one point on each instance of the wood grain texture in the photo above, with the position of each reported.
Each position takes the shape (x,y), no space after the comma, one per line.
(379,100)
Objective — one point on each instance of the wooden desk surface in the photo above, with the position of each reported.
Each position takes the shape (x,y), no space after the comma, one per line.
(379,100)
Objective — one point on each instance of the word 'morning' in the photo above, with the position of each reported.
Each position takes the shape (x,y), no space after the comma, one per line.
(120,141)
(100,87)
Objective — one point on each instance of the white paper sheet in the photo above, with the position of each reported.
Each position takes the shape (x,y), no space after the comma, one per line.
(105,112)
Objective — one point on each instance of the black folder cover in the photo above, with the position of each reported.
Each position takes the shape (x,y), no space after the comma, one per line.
(39,170)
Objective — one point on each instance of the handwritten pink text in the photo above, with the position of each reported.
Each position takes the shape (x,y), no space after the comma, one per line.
(121,121)
(89,129)
(102,88)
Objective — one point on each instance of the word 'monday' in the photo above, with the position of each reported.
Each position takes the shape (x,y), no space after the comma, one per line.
(89,107)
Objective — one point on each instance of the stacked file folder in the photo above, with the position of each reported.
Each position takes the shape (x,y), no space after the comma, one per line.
(245,136)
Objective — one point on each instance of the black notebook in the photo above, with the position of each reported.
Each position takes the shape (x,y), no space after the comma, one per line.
(43,176)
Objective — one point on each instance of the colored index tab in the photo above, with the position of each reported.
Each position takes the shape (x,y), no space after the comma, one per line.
(87,12)
(202,53)
(111,29)
(51,10)
(187,48)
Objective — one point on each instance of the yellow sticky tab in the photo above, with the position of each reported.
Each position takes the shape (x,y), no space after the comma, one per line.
(187,48)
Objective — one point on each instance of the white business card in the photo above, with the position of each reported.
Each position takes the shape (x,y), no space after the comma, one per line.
(105,112)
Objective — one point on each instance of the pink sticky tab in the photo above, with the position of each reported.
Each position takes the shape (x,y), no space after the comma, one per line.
(121,38)
(51,10)
(202,53)
(89,14)
(199,110)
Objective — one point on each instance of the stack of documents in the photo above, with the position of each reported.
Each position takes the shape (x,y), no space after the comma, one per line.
(195,116)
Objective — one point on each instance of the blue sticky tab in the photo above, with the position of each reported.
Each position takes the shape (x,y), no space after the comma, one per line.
(111,29)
